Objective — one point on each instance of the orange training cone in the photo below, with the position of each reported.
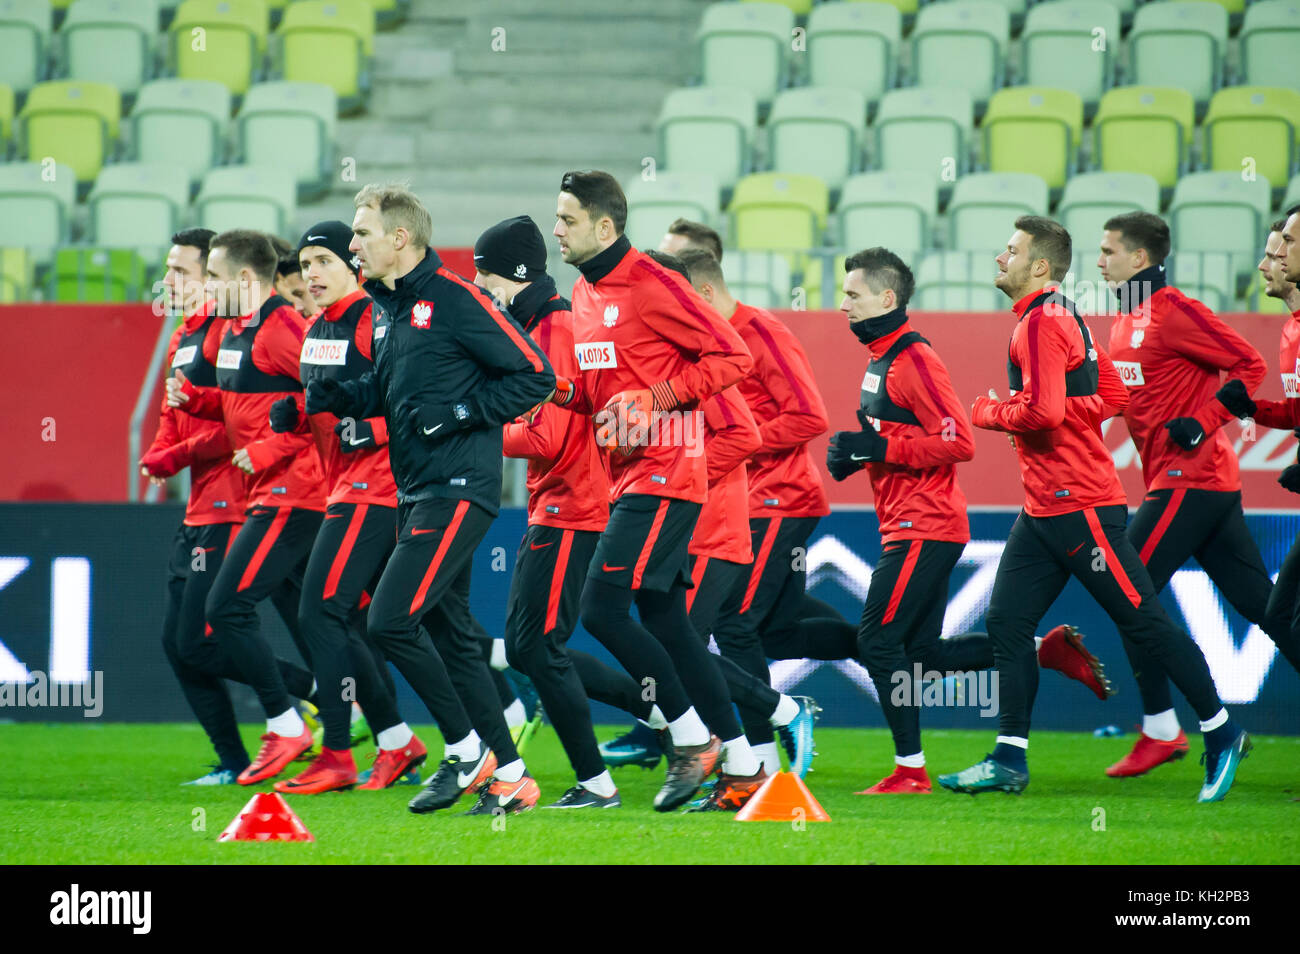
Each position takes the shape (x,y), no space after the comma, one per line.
(784,797)
(266,817)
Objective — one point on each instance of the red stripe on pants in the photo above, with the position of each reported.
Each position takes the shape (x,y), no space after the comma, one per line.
(1166,518)
(646,550)
(447,536)
(557,579)
(345,550)
(263,548)
(760,562)
(904,577)
(1112,561)
(697,574)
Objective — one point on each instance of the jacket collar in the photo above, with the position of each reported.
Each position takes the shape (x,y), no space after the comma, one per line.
(1139,288)
(335,311)
(409,285)
(259,316)
(529,301)
(602,263)
(1022,307)
(870,331)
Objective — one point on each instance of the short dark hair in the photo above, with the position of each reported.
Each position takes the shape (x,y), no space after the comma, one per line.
(1293,210)
(699,234)
(195,238)
(287,258)
(1047,239)
(248,248)
(882,269)
(669,261)
(1142,230)
(701,266)
(1278,225)
(599,193)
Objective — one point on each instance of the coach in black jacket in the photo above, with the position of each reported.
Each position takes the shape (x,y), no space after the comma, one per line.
(450,369)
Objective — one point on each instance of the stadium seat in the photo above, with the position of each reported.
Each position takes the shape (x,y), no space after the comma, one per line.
(817,131)
(900,205)
(1270,34)
(1091,198)
(1220,212)
(16,273)
(708,129)
(1028,129)
(247,197)
(389,12)
(907,8)
(127,27)
(25,28)
(652,204)
(961,44)
(74,122)
(1179,43)
(330,42)
(283,113)
(98,274)
(772,210)
(800,8)
(6,118)
(958,281)
(1058,47)
(758,278)
(855,46)
(1145,129)
(1292,196)
(221,40)
(138,205)
(984,204)
(1253,128)
(183,123)
(746,44)
(924,130)
(41,197)
(1207,276)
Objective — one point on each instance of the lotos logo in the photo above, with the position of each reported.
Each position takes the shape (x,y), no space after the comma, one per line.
(1130,372)
(611,315)
(1291,385)
(421,312)
(229,359)
(319,351)
(596,354)
(184,356)
(871,382)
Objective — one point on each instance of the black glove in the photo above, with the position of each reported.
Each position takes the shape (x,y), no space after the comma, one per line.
(433,422)
(850,450)
(1186,432)
(1233,396)
(362,435)
(325,394)
(1290,478)
(284,415)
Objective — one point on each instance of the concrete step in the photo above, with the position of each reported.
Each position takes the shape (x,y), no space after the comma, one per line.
(590,67)
(423,10)
(556,34)
(580,147)
(548,90)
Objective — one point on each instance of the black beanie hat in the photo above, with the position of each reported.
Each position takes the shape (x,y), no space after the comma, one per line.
(512,249)
(335,236)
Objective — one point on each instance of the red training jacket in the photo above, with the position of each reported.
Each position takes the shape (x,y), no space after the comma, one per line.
(730,436)
(1286,412)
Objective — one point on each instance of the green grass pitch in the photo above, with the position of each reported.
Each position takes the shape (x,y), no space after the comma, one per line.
(106,794)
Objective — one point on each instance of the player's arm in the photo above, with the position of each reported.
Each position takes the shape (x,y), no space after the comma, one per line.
(1110,386)
(277,351)
(520,374)
(733,436)
(540,434)
(1042,352)
(1203,338)
(785,373)
(944,435)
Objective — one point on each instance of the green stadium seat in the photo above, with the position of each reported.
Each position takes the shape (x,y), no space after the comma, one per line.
(1145,129)
(221,40)
(1016,11)
(708,129)
(773,210)
(1091,198)
(1270,35)
(746,44)
(1255,125)
(1058,47)
(16,274)
(1179,43)
(25,29)
(958,281)
(1207,276)
(907,8)
(1221,212)
(138,205)
(301,115)
(855,46)
(763,279)
(42,197)
(962,44)
(817,131)
(1292,196)
(98,274)
(74,122)
(182,123)
(389,12)
(6,118)
(900,205)
(127,27)
(1034,129)
(800,8)
(247,197)
(653,203)
(925,130)
(984,204)
(330,42)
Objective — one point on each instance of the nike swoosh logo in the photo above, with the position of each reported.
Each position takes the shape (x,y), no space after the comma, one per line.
(1075,550)
(543,546)
(508,797)
(856,457)
(313,238)
(430,530)
(465,780)
(610,569)
(430,430)
(1197,439)
(366,440)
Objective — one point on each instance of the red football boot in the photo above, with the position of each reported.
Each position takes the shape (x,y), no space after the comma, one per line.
(902,781)
(1062,650)
(274,756)
(392,764)
(332,770)
(1147,754)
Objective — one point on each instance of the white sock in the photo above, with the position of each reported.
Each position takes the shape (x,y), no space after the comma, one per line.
(516,715)
(768,754)
(357,714)
(396,738)
(511,772)
(467,748)
(911,761)
(602,785)
(687,729)
(1038,643)
(656,720)
(288,724)
(786,710)
(498,660)
(1013,740)
(1162,725)
(1216,720)
(738,758)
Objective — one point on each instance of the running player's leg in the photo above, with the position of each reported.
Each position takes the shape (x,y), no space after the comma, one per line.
(1284,601)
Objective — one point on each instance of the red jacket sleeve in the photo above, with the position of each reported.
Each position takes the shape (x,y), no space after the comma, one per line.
(209,444)
(1042,351)
(1110,386)
(945,435)
(732,437)
(1283,415)
(365,341)
(167,433)
(206,402)
(782,367)
(1202,337)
